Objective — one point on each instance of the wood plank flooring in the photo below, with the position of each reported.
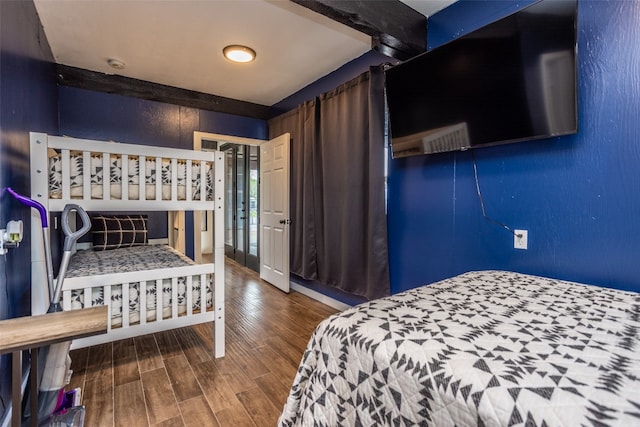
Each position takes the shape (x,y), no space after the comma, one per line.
(172,379)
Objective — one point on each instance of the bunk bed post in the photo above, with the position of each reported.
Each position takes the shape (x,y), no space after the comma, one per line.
(218,253)
(39,164)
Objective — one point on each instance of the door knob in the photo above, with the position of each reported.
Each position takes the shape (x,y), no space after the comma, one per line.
(282,221)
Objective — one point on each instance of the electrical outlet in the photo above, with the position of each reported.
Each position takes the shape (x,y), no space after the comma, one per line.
(520,239)
(11,236)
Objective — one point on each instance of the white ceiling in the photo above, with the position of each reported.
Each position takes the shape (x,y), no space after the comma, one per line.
(179,42)
(428,7)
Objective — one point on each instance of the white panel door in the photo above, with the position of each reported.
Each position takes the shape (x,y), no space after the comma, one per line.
(274,212)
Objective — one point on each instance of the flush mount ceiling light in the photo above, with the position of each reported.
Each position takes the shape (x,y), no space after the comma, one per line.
(116,63)
(239,53)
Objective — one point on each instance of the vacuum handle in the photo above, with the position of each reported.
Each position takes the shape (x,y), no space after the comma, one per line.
(33,204)
(72,236)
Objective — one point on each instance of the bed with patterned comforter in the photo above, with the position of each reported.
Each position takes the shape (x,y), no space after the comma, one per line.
(133,259)
(489,348)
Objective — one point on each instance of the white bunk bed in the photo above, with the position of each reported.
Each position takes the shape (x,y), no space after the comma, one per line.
(159,179)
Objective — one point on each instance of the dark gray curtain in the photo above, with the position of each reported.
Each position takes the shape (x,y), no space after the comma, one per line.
(338,230)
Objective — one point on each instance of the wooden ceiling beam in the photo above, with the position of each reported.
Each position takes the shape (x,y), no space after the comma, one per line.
(120,85)
(396,30)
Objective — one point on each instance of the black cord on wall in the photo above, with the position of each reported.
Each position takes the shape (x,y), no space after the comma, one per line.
(484,214)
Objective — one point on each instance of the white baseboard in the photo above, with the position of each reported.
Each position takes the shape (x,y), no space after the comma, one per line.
(333,303)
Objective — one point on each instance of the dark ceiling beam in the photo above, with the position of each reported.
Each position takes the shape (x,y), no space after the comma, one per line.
(109,83)
(396,30)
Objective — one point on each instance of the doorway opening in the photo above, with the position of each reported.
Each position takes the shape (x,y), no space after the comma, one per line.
(242,216)
(241,220)
(256,226)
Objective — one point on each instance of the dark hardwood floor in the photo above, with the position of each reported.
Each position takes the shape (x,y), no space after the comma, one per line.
(171,378)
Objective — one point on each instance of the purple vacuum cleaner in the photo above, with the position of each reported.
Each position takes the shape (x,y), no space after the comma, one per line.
(44,220)
(55,358)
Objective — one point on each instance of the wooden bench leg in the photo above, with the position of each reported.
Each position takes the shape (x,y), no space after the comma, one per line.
(16,388)
(34,387)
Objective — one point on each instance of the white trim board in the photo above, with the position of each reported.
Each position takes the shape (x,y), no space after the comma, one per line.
(333,303)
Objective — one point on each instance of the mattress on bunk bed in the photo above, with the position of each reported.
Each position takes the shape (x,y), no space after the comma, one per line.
(76,176)
(131,259)
(488,348)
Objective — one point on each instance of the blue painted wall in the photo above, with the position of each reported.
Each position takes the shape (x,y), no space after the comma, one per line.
(98,115)
(103,116)
(228,124)
(579,196)
(28,102)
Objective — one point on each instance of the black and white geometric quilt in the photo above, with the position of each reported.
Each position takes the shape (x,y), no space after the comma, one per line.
(488,348)
(132,259)
(132,176)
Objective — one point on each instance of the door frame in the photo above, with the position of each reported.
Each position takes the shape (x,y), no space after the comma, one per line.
(176,230)
(215,140)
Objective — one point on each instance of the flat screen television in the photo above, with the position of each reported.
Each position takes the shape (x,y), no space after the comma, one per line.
(512,80)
